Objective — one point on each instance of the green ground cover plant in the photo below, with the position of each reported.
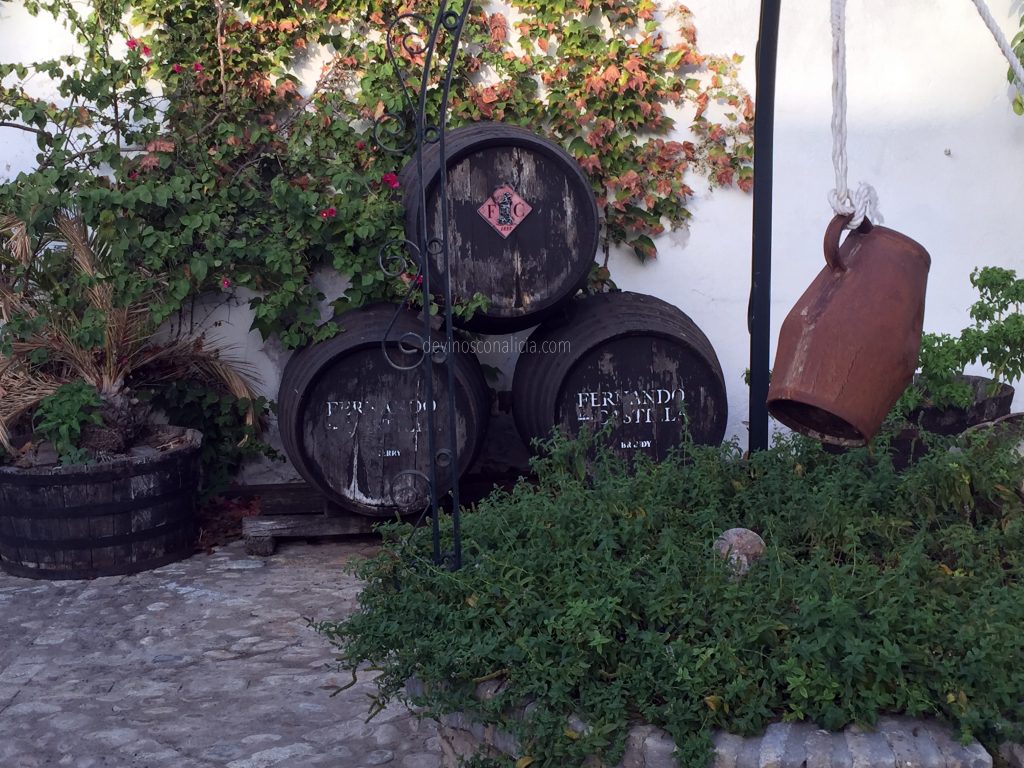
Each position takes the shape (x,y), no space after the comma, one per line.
(995,339)
(595,592)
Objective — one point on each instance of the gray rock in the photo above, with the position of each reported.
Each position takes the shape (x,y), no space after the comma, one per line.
(727,749)
(421,760)
(1012,754)
(741,546)
(657,750)
(773,746)
(870,750)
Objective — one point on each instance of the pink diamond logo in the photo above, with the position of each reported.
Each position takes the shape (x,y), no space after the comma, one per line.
(504,210)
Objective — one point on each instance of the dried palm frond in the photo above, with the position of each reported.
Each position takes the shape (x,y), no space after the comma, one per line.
(128,354)
(20,392)
(192,359)
(19,244)
(87,253)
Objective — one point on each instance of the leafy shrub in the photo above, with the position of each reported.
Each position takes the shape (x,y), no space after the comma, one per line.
(60,417)
(996,339)
(595,592)
(229,439)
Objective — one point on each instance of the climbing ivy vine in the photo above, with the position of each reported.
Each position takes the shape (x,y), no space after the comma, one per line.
(184,137)
(608,80)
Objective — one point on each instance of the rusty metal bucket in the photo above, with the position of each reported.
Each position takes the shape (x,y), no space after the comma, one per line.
(849,347)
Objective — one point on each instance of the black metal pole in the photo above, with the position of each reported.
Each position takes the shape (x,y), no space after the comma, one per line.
(759,308)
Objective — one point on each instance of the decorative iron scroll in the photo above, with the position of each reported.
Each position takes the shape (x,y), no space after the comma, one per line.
(413,38)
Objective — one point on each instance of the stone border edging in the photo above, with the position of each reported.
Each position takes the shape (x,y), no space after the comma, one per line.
(896,742)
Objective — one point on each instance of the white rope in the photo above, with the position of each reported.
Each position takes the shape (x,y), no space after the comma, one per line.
(864,202)
(1003,43)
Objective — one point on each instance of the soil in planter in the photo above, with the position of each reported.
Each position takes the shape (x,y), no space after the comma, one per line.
(154,440)
(990,402)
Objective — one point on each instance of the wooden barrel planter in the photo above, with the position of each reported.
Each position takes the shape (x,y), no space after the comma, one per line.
(84,521)
(991,402)
(523,222)
(630,359)
(355,427)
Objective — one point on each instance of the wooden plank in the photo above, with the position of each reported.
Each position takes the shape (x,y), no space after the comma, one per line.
(280,498)
(261,533)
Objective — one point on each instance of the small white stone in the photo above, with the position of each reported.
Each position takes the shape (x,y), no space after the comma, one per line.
(741,546)
(379,757)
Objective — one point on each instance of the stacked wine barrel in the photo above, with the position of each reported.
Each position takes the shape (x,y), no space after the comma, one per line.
(352,412)
(625,358)
(522,228)
(522,222)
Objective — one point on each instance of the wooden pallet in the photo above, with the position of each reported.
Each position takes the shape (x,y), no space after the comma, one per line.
(295,511)
(262,532)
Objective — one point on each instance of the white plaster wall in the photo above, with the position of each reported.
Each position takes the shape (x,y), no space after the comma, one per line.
(930,127)
(924,77)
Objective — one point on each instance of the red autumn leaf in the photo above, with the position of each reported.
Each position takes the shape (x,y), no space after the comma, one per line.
(160,145)
(634,65)
(589,163)
(499,27)
(748,108)
(702,104)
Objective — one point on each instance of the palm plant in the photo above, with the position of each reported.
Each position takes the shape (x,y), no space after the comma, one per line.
(71,311)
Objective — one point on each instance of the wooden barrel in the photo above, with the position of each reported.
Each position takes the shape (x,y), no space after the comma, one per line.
(523,221)
(630,359)
(108,519)
(355,427)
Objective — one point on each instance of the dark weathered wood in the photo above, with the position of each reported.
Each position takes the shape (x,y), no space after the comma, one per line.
(281,498)
(542,254)
(624,358)
(120,517)
(261,533)
(355,427)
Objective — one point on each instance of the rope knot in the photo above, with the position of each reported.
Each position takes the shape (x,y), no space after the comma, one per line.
(862,204)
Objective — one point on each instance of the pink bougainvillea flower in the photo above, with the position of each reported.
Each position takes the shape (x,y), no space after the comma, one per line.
(133,174)
(225,283)
(197,67)
(360,145)
(145,50)
(409,279)
(176,69)
(391,179)
(328,213)
(132,43)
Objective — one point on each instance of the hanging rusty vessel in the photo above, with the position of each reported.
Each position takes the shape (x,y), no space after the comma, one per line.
(849,347)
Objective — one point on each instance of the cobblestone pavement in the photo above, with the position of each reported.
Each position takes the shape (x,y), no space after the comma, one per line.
(207,662)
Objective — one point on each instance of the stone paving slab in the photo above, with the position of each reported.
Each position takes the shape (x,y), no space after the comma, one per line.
(207,662)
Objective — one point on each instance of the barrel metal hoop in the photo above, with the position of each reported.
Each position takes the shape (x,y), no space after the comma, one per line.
(49,544)
(125,569)
(95,510)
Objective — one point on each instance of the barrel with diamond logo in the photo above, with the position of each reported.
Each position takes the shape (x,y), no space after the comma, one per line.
(523,222)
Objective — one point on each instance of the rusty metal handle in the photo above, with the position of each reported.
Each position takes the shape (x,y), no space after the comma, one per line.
(832,234)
